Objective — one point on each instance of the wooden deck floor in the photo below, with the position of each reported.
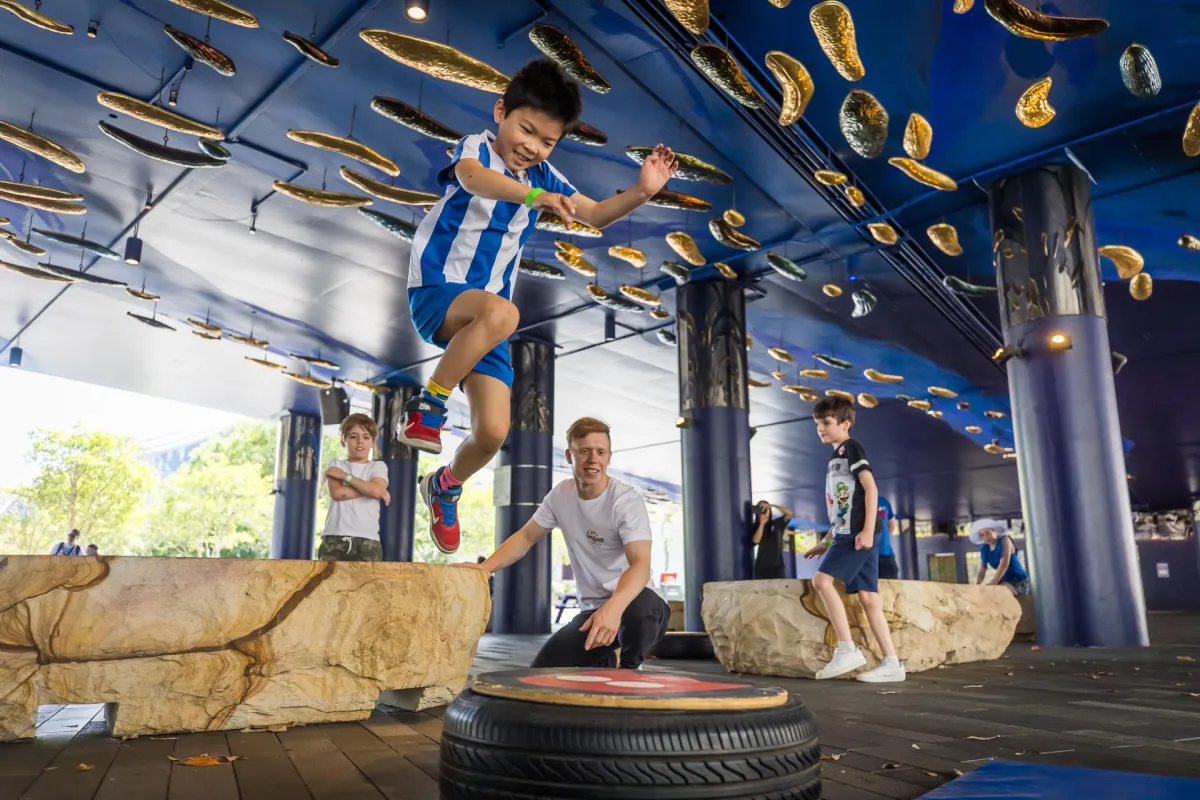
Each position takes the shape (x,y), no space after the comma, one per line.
(1130,710)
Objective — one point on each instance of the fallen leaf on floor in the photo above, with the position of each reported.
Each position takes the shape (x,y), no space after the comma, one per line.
(916,747)
(974,686)
(931,774)
(887,693)
(958,772)
(831,756)
(204,760)
(893,766)
(1185,658)
(983,738)
(85,767)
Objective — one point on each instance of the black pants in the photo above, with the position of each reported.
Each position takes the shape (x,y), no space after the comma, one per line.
(642,625)
(888,568)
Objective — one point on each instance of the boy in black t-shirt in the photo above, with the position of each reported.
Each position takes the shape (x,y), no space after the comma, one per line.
(852,499)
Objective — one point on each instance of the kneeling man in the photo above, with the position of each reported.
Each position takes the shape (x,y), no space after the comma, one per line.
(608,537)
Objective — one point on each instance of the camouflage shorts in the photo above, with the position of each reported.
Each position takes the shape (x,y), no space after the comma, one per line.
(349,548)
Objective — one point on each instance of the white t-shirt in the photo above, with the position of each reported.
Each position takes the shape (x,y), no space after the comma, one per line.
(596,532)
(360,516)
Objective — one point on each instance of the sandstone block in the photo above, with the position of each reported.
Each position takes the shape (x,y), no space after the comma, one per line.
(189,644)
(779,627)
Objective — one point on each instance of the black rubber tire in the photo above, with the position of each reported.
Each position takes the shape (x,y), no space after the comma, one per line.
(499,749)
(681,646)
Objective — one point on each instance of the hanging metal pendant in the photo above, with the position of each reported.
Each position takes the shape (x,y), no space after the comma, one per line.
(42,192)
(1030,24)
(37,274)
(316,361)
(21,244)
(690,167)
(320,197)
(961,287)
(310,50)
(1129,262)
(830,361)
(864,303)
(733,218)
(41,146)
(345,146)
(720,67)
(214,150)
(1141,286)
(203,52)
(95,248)
(585,134)
(840,393)
(828,177)
(160,152)
(920,405)
(995,414)
(308,380)
(883,233)
(640,295)
(834,26)
(36,18)
(1189,242)
(786,267)
(692,14)
(157,115)
(1033,107)
(796,83)
(249,341)
(729,236)
(855,196)
(726,270)
(615,302)
(208,337)
(549,221)
(667,337)
(757,384)
(660,313)
(437,60)
(142,295)
(262,362)
(393,225)
(938,391)
(864,123)
(780,354)
(578,263)
(923,174)
(630,255)
(568,248)
(918,137)
(685,247)
(677,271)
(963,6)
(560,49)
(204,325)
(875,376)
(1139,71)
(945,238)
(1191,133)
(820,374)
(832,290)
(676,200)
(867,400)
(414,119)
(218,9)
(384,191)
(45,204)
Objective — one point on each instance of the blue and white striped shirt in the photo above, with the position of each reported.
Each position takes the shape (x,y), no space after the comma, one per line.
(473,241)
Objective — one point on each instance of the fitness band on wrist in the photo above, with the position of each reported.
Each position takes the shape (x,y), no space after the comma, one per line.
(533,193)
(347,481)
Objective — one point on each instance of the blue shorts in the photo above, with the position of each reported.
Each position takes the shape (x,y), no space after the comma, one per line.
(858,569)
(428,306)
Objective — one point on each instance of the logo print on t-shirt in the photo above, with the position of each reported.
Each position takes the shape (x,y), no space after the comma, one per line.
(595,538)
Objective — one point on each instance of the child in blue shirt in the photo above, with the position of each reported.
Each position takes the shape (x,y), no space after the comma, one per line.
(996,550)
(463,265)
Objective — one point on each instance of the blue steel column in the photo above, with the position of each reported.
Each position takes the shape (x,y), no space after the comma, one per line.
(396,520)
(1071,463)
(521,596)
(297,464)
(711,333)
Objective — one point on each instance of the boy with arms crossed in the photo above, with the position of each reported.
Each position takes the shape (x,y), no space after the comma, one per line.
(356,485)
(463,261)
(852,499)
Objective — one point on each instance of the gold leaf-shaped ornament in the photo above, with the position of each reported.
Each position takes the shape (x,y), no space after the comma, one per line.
(350,148)
(864,123)
(828,177)
(41,146)
(1142,286)
(923,174)
(320,197)
(1033,107)
(796,83)
(36,18)
(1129,262)
(157,115)
(855,196)
(883,233)
(1191,133)
(218,9)
(692,14)
(685,246)
(733,218)
(918,137)
(1030,24)
(630,255)
(834,26)
(945,237)
(437,60)
(719,66)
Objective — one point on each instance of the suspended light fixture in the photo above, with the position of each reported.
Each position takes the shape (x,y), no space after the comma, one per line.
(416,10)
(93,28)
(610,326)
(14,356)
(253,220)
(133,251)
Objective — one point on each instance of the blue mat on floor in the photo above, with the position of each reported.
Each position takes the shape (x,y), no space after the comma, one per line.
(1009,779)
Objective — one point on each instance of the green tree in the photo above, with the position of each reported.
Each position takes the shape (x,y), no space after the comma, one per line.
(87,480)
(212,508)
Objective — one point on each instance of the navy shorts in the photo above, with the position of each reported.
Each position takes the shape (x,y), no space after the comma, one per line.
(858,569)
(428,306)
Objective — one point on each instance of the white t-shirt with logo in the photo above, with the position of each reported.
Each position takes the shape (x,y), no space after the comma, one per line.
(360,516)
(596,532)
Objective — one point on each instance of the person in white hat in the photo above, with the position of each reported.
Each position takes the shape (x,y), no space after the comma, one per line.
(996,550)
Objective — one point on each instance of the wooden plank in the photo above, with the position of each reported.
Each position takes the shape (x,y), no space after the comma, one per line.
(391,730)
(869,782)
(202,783)
(140,771)
(255,744)
(303,733)
(839,791)
(31,756)
(350,736)
(62,780)
(395,776)
(328,773)
(269,776)
(426,757)
(430,727)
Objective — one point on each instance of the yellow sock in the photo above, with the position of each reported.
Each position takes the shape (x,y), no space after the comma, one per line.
(436,392)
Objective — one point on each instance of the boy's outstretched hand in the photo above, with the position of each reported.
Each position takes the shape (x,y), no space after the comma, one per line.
(558,203)
(658,168)
(817,551)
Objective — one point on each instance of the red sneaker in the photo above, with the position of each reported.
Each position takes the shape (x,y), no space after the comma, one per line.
(421,424)
(443,511)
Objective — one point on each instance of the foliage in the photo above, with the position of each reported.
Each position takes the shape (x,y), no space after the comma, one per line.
(87,480)
(476,520)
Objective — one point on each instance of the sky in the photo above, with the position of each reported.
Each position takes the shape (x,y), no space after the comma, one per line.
(33,400)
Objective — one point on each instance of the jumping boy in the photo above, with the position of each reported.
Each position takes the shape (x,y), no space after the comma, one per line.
(852,499)
(462,269)
(356,485)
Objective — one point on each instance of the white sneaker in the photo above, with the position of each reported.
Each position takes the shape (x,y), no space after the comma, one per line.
(841,663)
(886,672)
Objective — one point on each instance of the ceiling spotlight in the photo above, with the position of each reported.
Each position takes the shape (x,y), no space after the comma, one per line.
(416,10)
(1005,354)
(14,356)
(683,421)
(173,98)
(133,250)
(1060,341)
(610,327)
(93,28)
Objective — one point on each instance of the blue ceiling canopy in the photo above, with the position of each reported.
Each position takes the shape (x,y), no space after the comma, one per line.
(329,283)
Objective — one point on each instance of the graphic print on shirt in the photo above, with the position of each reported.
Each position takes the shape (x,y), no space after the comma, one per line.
(839,494)
(594,537)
